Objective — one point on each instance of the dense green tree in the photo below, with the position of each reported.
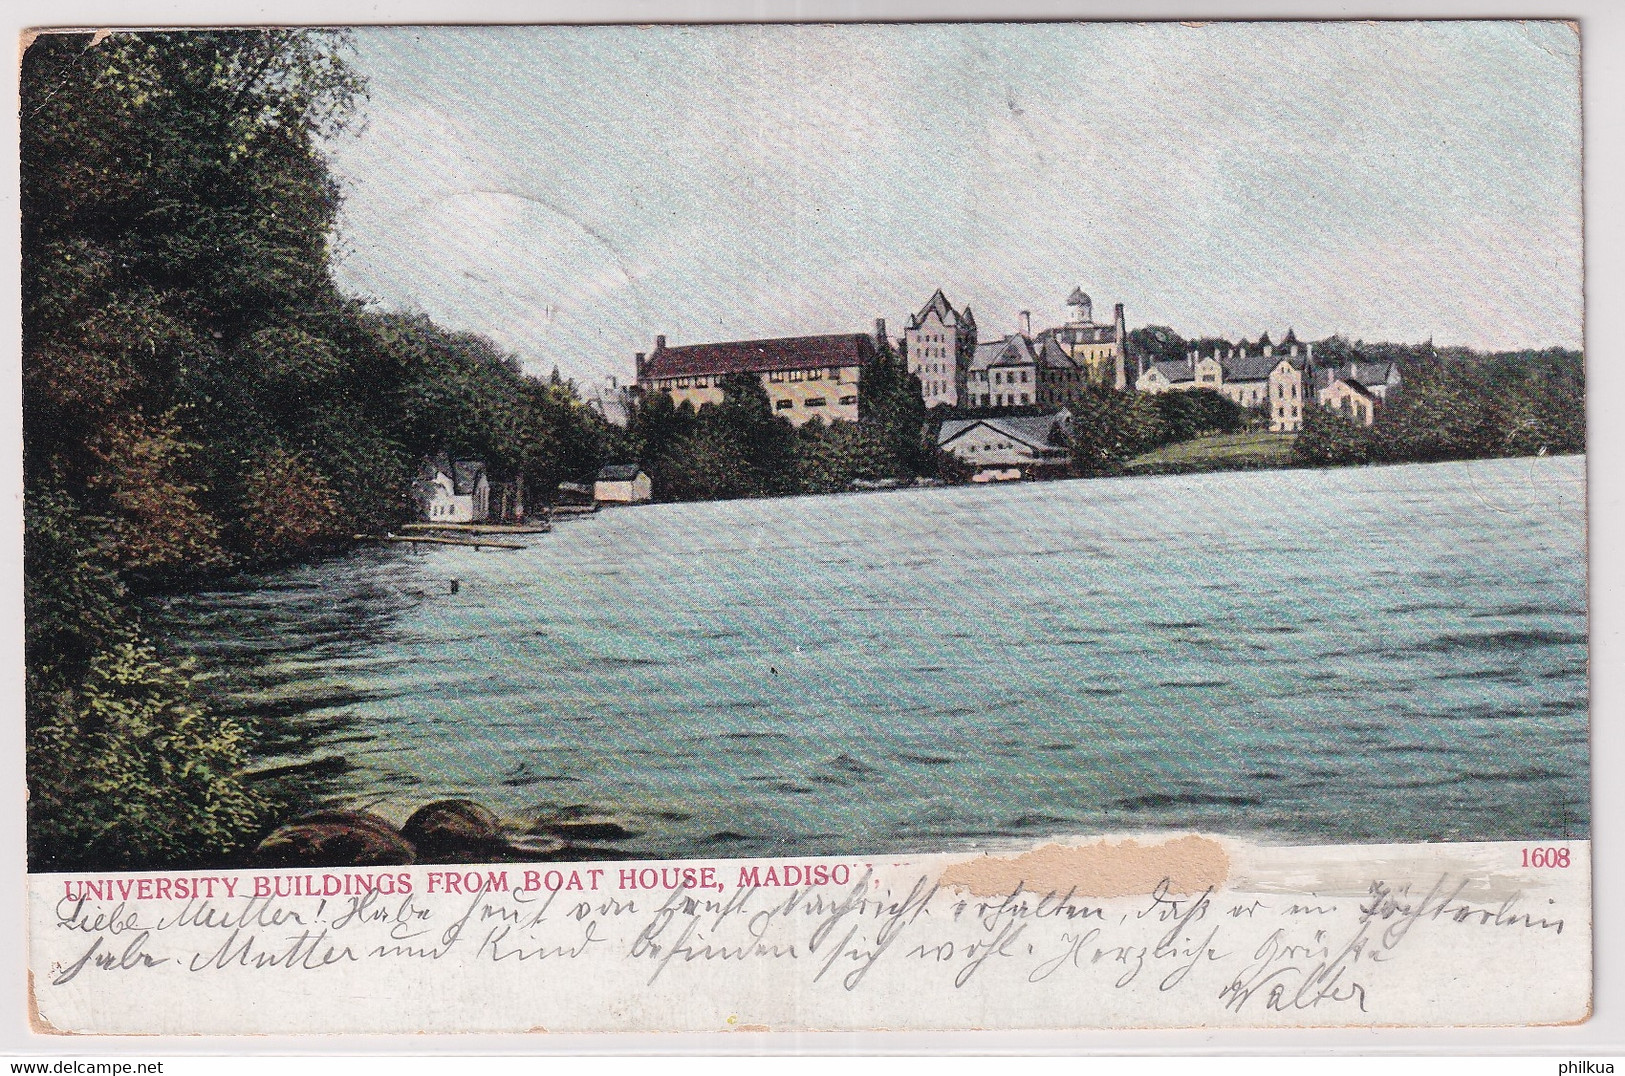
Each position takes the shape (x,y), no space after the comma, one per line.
(128,770)
(766,442)
(892,408)
(829,458)
(1186,414)
(1156,343)
(705,464)
(1330,437)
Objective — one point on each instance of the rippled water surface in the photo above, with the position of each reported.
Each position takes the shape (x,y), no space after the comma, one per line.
(1367,654)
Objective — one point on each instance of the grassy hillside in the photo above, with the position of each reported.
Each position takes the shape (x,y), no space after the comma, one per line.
(1216,452)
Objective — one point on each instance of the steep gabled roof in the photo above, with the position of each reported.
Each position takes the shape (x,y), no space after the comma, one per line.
(760,356)
(1052,354)
(465,475)
(1365,373)
(1356,386)
(1012,350)
(944,309)
(1249,367)
(432,467)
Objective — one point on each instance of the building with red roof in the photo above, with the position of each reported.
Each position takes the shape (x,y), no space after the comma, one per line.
(806,377)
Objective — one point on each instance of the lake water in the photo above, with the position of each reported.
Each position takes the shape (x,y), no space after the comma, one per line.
(1360,654)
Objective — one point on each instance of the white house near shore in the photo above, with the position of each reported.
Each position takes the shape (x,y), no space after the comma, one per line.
(622,483)
(452,492)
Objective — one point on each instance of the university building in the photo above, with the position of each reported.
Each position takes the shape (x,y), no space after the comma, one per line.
(1278,382)
(1023,369)
(1357,389)
(940,341)
(1101,349)
(806,377)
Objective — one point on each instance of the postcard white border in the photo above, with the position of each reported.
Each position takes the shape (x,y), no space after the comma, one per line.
(1603,27)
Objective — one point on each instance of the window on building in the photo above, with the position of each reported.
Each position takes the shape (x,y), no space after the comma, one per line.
(776,375)
(682,382)
(848,400)
(1024,376)
(815,375)
(796,375)
(784,405)
(816,401)
(1024,398)
(834,373)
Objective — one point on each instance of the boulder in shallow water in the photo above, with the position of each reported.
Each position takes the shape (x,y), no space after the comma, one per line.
(334,839)
(453,828)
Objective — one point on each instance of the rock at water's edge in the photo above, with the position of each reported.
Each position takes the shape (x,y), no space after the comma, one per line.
(334,839)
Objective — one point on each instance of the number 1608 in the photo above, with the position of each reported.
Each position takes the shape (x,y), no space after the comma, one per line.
(1545,857)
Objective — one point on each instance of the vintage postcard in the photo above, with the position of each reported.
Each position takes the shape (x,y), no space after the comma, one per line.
(916,526)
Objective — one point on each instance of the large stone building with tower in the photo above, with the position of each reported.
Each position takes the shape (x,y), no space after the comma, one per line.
(1049,368)
(939,342)
(1100,348)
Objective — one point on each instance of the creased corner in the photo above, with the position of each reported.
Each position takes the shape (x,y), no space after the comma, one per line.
(36,1019)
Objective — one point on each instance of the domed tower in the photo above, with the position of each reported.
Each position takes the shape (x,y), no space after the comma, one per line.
(1079,307)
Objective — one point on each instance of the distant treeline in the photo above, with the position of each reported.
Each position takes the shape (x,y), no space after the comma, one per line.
(1456,403)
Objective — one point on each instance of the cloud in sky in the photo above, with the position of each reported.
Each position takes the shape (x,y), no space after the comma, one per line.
(571,192)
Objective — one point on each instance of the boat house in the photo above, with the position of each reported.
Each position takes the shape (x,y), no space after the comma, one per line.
(622,483)
(451,492)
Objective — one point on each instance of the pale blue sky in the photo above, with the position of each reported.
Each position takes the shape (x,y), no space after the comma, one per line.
(571,192)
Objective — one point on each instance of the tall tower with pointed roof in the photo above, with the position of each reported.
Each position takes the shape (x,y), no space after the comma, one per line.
(940,342)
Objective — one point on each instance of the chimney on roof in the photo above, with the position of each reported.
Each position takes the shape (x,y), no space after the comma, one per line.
(660,343)
(1025,321)
(880,332)
(641,361)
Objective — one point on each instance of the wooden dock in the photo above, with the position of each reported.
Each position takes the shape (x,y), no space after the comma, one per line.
(432,539)
(479,528)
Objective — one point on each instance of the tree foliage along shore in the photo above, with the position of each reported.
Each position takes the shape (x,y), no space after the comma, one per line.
(1457,404)
(198,395)
(739,448)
